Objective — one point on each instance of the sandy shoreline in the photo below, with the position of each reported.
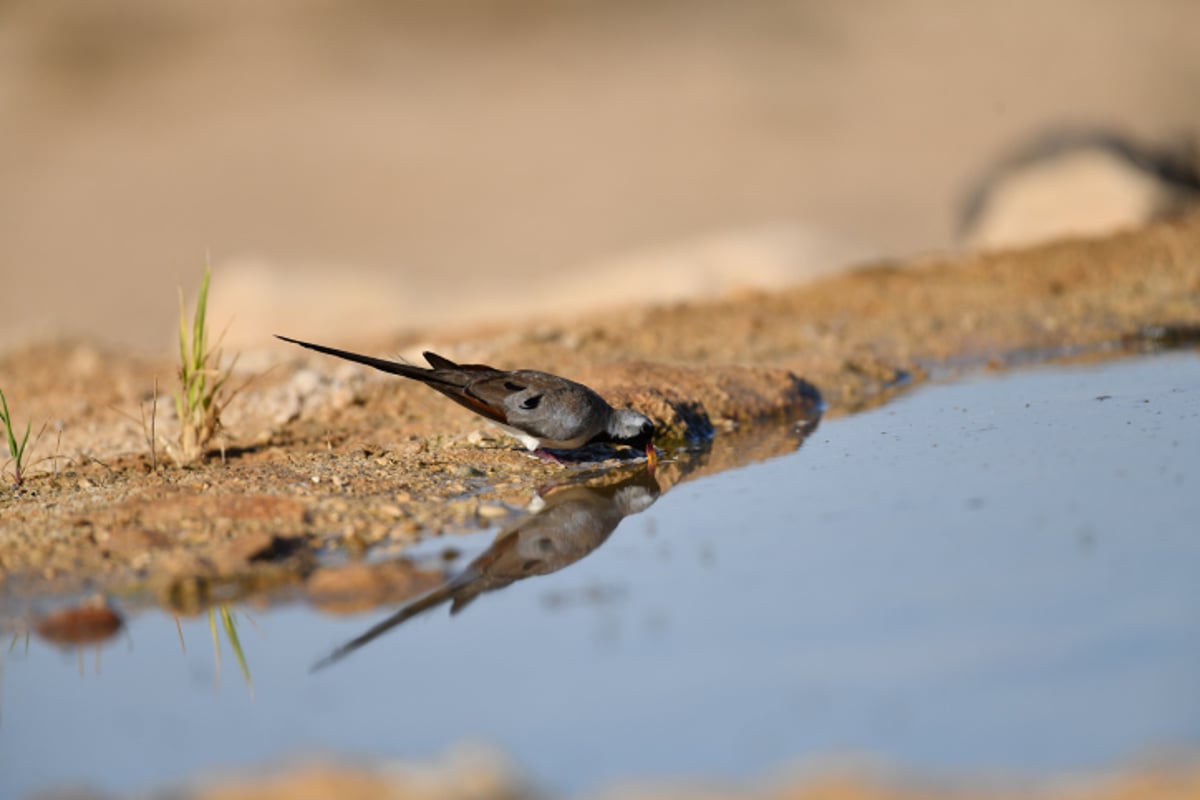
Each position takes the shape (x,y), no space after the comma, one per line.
(96,517)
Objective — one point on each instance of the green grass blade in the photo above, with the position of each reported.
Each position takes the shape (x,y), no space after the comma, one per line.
(199,332)
(236,644)
(7,420)
(24,441)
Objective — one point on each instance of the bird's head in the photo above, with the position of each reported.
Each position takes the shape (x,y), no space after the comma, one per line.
(632,428)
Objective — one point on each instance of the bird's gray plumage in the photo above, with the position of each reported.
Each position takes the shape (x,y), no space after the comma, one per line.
(539,409)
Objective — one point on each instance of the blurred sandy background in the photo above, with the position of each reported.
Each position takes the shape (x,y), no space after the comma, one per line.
(355,168)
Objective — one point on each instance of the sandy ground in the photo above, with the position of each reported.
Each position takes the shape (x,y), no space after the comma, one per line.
(319,453)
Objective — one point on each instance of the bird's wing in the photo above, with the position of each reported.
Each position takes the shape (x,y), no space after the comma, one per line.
(463,396)
(488,391)
(543,405)
(505,389)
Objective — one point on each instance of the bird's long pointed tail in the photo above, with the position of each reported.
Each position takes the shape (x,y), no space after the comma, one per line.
(434,598)
(431,599)
(394,367)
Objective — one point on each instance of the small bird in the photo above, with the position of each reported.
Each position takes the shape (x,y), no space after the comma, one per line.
(540,410)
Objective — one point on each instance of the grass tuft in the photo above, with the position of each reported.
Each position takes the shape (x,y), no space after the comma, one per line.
(16,451)
(201,396)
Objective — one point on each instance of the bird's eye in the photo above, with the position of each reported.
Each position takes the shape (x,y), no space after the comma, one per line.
(647,427)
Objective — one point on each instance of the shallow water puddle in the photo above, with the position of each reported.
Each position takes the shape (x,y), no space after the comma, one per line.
(998,576)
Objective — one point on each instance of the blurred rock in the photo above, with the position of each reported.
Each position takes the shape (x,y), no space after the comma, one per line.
(357,587)
(1078,183)
(83,625)
(723,262)
(238,553)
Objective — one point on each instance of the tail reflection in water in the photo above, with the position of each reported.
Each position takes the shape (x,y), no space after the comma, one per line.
(573,522)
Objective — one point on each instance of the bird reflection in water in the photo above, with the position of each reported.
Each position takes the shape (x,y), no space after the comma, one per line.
(577,518)
(573,521)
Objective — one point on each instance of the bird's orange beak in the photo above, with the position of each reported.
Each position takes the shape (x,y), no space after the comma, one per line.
(651,455)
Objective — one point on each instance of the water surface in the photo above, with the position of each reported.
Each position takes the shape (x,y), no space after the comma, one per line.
(994,576)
